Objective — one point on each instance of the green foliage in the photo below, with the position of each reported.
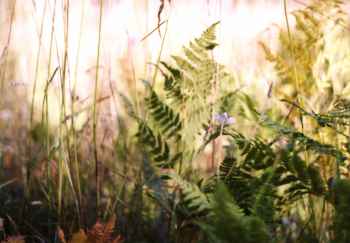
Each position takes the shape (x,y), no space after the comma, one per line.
(167,120)
(298,62)
(39,133)
(229,224)
(341,196)
(264,180)
(260,180)
(157,148)
(305,143)
(192,197)
(196,86)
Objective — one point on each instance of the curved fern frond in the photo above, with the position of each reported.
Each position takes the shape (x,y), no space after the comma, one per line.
(172,85)
(167,119)
(264,179)
(229,224)
(194,199)
(189,86)
(303,53)
(155,145)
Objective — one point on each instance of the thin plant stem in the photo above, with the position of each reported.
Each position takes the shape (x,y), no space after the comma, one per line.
(63,127)
(4,52)
(218,166)
(94,122)
(73,99)
(36,74)
(46,99)
(160,54)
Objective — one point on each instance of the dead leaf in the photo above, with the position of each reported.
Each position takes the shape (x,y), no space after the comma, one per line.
(79,237)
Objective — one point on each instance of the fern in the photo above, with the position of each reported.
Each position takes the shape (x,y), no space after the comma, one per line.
(195,201)
(174,125)
(165,117)
(189,86)
(264,180)
(303,50)
(157,147)
(229,224)
(340,190)
(306,143)
(249,176)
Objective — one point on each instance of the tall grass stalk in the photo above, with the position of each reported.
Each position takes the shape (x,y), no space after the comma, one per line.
(73,100)
(26,168)
(64,169)
(94,122)
(62,112)
(45,108)
(160,53)
(37,64)
(293,58)
(4,51)
(310,205)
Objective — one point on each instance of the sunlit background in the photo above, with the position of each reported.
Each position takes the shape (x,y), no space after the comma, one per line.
(32,43)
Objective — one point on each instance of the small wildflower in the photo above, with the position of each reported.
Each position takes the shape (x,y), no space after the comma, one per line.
(285,221)
(224,119)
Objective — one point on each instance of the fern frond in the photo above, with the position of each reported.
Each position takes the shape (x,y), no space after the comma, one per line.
(264,180)
(195,200)
(166,118)
(229,224)
(172,85)
(156,146)
(208,38)
(189,86)
(305,142)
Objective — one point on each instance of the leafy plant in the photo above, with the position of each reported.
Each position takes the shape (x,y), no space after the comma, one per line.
(229,224)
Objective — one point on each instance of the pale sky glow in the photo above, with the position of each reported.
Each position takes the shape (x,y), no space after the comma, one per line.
(125,22)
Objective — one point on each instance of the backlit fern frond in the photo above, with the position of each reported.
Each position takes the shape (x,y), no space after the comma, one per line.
(195,201)
(256,153)
(247,173)
(172,85)
(338,115)
(156,146)
(167,120)
(341,225)
(189,85)
(264,179)
(229,224)
(306,143)
(299,50)
(207,39)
